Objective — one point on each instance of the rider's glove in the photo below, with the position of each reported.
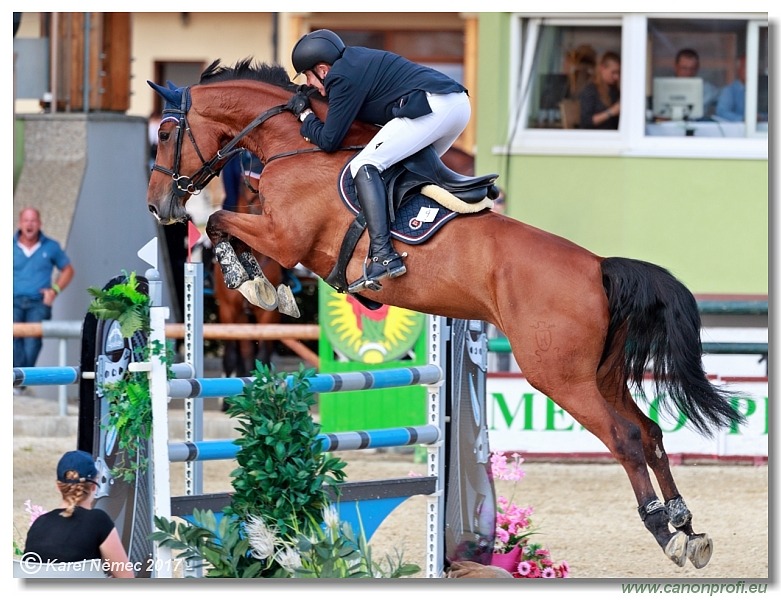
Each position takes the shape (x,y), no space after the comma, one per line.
(298,103)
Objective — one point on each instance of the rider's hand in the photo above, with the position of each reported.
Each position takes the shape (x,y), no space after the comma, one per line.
(298,103)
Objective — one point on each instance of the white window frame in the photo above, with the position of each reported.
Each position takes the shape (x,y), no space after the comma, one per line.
(630,139)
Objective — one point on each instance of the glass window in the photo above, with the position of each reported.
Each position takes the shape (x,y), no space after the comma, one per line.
(698,73)
(566,64)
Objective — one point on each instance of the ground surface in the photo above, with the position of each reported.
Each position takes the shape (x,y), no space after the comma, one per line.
(585,513)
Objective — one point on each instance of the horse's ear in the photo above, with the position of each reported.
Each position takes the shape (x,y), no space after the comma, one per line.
(171,95)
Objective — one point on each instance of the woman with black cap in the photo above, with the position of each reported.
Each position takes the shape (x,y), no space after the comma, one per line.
(417,106)
(75,531)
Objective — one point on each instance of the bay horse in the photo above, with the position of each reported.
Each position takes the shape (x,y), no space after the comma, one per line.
(584,329)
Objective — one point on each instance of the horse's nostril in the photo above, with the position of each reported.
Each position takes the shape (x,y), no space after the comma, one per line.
(152,208)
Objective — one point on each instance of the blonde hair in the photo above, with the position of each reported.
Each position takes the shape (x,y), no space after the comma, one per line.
(602,88)
(73,493)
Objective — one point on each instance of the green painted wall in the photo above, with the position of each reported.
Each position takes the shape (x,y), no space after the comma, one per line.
(705,220)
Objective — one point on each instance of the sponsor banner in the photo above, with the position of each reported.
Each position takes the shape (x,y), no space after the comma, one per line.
(521,419)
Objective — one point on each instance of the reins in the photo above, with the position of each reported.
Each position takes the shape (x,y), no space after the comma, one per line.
(181,184)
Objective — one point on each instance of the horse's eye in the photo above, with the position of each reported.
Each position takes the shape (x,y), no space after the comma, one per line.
(164,136)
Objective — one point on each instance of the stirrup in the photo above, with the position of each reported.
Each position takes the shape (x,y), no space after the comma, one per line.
(372,282)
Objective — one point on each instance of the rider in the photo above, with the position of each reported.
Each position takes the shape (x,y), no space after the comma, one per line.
(416,106)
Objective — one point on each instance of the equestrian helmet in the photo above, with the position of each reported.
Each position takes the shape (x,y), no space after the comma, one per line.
(319,46)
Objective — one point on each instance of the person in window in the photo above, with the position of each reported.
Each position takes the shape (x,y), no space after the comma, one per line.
(600,100)
(416,106)
(687,64)
(732,98)
(579,65)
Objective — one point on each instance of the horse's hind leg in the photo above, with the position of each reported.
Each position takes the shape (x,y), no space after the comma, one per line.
(622,437)
(699,547)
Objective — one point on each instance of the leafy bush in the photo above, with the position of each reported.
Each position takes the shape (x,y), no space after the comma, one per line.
(280,522)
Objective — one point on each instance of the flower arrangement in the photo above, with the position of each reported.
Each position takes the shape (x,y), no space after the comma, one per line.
(35,511)
(513,550)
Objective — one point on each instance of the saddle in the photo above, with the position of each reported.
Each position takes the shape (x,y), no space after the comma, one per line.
(425,167)
(423,194)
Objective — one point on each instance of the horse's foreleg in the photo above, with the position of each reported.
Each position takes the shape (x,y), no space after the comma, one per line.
(240,268)
(233,271)
(258,290)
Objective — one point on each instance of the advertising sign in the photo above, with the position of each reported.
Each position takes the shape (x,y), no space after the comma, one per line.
(521,419)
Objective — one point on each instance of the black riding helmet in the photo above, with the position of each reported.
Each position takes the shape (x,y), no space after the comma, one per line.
(319,46)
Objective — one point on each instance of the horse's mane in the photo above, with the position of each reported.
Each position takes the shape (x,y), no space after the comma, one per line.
(248,69)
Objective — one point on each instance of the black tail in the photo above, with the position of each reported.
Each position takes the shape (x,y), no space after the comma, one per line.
(656,318)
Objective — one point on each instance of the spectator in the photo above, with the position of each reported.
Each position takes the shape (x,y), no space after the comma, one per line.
(75,531)
(732,98)
(600,100)
(687,64)
(35,258)
(579,65)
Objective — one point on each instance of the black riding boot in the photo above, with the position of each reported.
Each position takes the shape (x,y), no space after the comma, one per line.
(383,262)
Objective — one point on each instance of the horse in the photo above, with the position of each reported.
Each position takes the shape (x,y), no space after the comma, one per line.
(584,329)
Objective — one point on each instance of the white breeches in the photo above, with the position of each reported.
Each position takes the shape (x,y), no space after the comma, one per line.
(402,137)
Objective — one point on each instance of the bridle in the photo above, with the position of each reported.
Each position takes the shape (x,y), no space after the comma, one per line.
(181,185)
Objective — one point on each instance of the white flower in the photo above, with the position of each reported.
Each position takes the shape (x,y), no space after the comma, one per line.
(289,559)
(262,538)
(331,518)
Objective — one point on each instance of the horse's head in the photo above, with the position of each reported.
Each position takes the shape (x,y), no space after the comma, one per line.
(197,138)
(167,204)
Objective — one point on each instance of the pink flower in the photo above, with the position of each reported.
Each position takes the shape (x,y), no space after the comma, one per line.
(524,568)
(502,535)
(34,510)
(548,573)
(505,471)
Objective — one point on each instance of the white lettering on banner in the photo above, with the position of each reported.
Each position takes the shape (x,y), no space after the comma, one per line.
(521,419)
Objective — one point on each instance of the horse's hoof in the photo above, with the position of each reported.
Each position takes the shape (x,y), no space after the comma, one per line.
(676,548)
(259,292)
(699,549)
(287,302)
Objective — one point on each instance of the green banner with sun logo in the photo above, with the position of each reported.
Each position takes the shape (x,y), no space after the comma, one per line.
(354,338)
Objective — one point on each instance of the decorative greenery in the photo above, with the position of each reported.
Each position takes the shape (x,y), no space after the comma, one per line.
(129,399)
(282,466)
(280,522)
(336,552)
(123,302)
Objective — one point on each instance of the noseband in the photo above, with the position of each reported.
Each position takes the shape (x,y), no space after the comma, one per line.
(182,184)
